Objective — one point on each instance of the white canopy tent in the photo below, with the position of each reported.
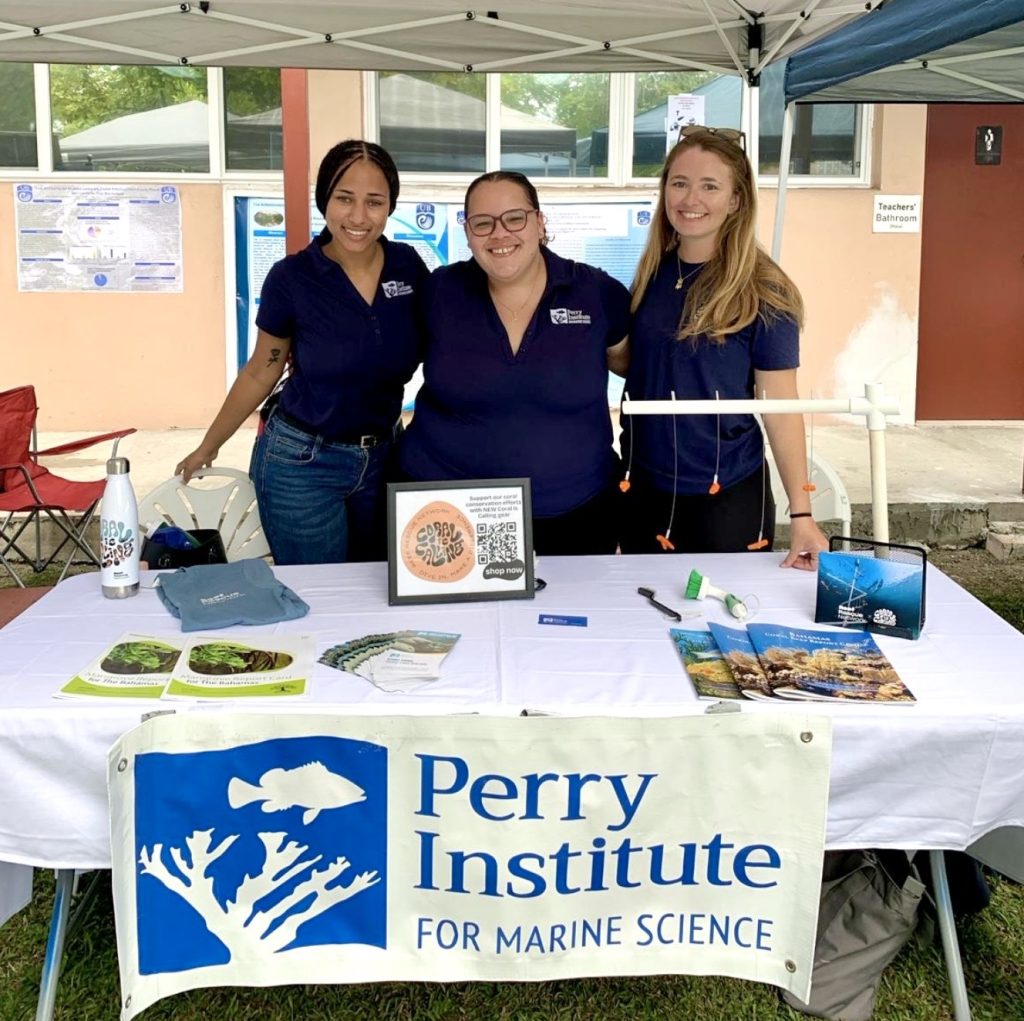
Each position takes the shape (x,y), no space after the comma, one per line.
(527,35)
(536,36)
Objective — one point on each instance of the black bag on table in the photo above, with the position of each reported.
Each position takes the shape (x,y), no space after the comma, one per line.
(210,550)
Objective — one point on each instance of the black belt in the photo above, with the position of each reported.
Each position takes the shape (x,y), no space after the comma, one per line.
(365,440)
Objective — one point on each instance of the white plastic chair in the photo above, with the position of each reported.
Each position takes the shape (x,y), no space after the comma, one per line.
(230,508)
(829,501)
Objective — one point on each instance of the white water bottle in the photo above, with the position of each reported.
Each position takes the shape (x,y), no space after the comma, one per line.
(119,532)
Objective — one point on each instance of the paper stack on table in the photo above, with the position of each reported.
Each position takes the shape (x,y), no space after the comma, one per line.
(396,661)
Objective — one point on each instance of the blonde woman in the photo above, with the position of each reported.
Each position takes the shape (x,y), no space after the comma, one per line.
(713,315)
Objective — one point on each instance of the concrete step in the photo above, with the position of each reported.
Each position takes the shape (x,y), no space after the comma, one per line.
(1005,540)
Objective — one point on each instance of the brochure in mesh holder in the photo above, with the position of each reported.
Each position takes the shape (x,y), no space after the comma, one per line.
(872,586)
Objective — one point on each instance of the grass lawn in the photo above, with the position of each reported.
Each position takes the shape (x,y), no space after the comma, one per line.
(914,988)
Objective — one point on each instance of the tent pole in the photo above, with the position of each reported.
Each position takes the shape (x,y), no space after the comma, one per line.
(295,157)
(780,198)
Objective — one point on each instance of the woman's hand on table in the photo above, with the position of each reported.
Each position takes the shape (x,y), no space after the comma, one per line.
(806,541)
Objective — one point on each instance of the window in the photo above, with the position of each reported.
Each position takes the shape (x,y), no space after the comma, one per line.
(17,116)
(119,118)
(548,122)
(721,95)
(433,121)
(574,126)
(252,118)
(438,122)
(826,136)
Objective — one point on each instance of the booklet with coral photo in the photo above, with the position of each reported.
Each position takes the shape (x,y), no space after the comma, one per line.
(832,666)
(705,664)
(741,658)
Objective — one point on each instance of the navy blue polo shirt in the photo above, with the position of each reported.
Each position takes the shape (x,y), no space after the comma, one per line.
(350,360)
(660,364)
(542,412)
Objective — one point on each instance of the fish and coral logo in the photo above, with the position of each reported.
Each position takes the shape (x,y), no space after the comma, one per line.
(258,850)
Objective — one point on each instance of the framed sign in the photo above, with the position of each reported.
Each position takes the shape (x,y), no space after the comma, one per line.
(459,541)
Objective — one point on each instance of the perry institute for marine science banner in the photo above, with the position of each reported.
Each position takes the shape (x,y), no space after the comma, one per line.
(269,849)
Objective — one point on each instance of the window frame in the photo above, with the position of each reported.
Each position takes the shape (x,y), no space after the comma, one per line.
(622,93)
(217,148)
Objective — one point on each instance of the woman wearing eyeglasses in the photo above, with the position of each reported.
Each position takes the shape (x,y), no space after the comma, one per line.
(515,374)
(714,316)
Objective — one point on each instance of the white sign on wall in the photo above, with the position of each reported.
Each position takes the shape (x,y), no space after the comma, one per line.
(684,110)
(98,237)
(897,214)
(268,849)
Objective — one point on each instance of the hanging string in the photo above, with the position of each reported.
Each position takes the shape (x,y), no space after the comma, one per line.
(625,483)
(809,486)
(761,541)
(666,539)
(715,487)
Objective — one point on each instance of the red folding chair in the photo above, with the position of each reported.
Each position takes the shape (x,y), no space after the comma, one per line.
(29,492)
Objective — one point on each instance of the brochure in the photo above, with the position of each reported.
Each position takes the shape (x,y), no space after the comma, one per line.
(220,666)
(834,666)
(705,664)
(200,666)
(135,666)
(397,661)
(741,658)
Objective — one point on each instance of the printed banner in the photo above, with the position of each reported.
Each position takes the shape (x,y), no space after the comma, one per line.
(263,850)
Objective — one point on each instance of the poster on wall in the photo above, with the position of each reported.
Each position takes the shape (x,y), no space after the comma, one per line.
(85,237)
(610,235)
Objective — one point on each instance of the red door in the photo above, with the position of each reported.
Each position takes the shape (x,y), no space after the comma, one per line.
(971,340)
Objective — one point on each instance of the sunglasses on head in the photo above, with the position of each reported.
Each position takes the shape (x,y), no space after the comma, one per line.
(695,132)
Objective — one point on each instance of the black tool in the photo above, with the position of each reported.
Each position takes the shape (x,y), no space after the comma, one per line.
(648,594)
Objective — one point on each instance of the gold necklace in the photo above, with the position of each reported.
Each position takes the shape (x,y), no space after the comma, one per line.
(685,278)
(514,312)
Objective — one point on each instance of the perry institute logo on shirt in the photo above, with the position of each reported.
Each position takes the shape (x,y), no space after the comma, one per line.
(395,288)
(570,317)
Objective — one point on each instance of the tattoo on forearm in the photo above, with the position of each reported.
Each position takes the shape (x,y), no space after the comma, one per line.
(275,356)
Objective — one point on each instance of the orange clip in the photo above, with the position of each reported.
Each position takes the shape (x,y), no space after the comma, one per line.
(714,488)
(666,543)
(760,544)
(624,485)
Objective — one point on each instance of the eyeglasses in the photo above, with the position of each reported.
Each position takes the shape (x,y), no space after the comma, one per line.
(482,225)
(694,132)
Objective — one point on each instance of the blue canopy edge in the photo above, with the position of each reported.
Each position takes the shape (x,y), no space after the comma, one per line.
(895,31)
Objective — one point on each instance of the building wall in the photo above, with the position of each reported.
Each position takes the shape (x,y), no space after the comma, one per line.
(157,361)
(861,289)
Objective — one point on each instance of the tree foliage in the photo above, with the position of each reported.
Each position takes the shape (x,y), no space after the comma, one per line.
(18,110)
(83,95)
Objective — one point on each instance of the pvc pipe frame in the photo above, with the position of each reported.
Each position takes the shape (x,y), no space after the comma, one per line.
(874,406)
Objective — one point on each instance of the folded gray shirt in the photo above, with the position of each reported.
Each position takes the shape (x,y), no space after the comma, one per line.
(211,596)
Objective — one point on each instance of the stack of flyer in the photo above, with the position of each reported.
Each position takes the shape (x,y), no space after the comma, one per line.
(776,662)
(397,661)
(220,666)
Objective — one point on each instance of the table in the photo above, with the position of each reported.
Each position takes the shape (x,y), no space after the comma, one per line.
(936,775)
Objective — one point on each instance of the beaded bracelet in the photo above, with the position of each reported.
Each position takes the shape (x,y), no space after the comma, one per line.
(801,514)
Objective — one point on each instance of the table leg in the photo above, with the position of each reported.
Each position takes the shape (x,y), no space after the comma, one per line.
(55,945)
(947,927)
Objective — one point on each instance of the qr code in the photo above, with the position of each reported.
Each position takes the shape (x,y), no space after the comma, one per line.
(497,543)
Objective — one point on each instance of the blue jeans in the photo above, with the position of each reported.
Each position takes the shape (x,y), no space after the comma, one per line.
(320,502)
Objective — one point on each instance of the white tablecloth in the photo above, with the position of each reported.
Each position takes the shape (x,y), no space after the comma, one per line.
(938,774)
